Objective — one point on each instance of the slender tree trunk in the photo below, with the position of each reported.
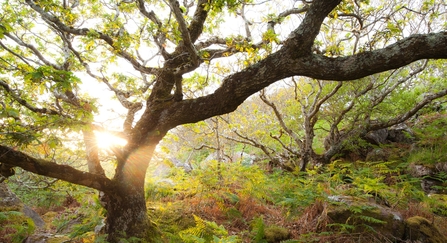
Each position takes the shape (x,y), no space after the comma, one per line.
(305,158)
(307,150)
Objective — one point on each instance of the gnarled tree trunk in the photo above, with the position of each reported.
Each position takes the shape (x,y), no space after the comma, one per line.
(125,202)
(127,214)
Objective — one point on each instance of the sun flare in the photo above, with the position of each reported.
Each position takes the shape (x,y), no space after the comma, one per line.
(107,140)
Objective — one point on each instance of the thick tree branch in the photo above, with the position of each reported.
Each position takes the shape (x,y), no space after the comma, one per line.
(67,173)
(196,26)
(238,86)
(399,54)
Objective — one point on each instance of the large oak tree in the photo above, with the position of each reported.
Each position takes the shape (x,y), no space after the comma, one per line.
(51,50)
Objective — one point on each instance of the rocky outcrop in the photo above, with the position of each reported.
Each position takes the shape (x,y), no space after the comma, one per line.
(371,150)
(363,215)
(431,181)
(400,133)
(9,200)
(385,221)
(377,137)
(38,221)
(16,215)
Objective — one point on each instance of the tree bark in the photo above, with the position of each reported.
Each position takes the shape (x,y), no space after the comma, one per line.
(127,214)
(126,204)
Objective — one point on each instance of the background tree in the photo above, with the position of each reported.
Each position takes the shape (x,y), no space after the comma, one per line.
(144,52)
(316,120)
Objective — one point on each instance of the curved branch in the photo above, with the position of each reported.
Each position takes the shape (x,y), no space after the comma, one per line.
(24,59)
(304,36)
(133,107)
(159,37)
(85,32)
(315,108)
(288,148)
(150,15)
(387,91)
(286,13)
(187,42)
(359,19)
(33,50)
(246,23)
(211,41)
(23,102)
(399,119)
(67,173)
(293,11)
(230,50)
(280,119)
(246,140)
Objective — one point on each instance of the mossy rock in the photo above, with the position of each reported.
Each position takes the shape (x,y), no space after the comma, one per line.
(172,217)
(421,230)
(15,226)
(364,216)
(275,234)
(48,238)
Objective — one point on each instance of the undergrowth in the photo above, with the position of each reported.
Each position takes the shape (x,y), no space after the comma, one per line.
(234,202)
(250,203)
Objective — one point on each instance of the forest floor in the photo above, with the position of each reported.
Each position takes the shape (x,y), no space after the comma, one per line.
(399,198)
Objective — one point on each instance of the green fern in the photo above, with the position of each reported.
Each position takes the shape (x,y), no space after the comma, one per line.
(205,231)
(342,227)
(258,229)
(198,231)
(370,220)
